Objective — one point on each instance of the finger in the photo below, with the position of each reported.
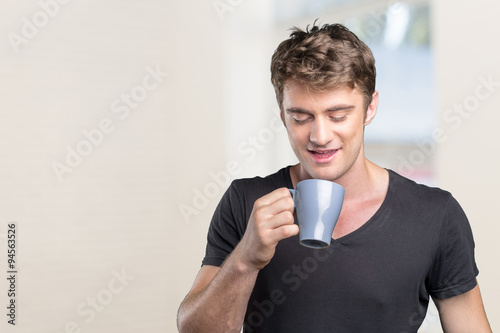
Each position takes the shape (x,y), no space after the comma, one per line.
(274,215)
(281,205)
(283,218)
(274,196)
(284,231)
(276,204)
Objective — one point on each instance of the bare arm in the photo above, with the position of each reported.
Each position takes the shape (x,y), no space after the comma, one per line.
(218,299)
(463,313)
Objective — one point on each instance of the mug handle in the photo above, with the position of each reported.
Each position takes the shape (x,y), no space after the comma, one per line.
(292,193)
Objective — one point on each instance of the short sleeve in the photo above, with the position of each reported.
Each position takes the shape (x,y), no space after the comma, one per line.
(454,270)
(226,228)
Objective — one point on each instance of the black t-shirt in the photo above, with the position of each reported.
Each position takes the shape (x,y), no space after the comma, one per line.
(378,278)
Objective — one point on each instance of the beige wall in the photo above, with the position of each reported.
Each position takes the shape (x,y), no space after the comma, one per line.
(106,249)
(468,160)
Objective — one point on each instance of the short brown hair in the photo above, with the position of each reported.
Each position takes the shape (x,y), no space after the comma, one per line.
(323,58)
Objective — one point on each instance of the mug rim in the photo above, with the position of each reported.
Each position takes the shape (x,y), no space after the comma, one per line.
(318,179)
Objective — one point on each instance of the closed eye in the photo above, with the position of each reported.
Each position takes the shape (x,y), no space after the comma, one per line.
(299,116)
(338,119)
(301,120)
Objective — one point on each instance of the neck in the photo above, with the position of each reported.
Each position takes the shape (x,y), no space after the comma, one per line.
(362,181)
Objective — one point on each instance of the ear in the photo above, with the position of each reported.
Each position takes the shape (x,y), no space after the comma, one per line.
(372,109)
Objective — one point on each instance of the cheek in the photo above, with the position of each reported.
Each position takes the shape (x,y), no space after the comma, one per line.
(296,135)
(352,131)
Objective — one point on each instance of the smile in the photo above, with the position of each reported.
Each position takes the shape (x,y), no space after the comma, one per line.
(323,156)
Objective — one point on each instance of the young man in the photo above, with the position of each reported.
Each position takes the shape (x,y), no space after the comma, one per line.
(395,244)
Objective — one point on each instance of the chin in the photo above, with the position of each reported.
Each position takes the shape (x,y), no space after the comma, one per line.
(327,172)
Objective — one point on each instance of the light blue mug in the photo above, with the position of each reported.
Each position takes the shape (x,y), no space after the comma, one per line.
(318,204)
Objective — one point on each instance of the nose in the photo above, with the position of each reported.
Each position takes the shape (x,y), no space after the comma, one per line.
(321,134)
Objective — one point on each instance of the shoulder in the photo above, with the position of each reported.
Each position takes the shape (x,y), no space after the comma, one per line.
(407,189)
(422,199)
(243,192)
(254,188)
(431,208)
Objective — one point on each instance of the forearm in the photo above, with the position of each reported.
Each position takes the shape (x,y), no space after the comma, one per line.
(221,305)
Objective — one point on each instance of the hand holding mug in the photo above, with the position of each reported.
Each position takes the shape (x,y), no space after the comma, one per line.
(271,220)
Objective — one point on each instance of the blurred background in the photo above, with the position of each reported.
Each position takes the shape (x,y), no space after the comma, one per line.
(123,122)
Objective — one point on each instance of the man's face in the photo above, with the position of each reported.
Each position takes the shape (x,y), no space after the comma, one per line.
(325,129)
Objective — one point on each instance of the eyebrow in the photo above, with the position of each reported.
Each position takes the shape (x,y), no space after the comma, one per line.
(296,110)
(331,109)
(341,108)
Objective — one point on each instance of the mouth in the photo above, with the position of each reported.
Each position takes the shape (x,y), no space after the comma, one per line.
(323,156)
